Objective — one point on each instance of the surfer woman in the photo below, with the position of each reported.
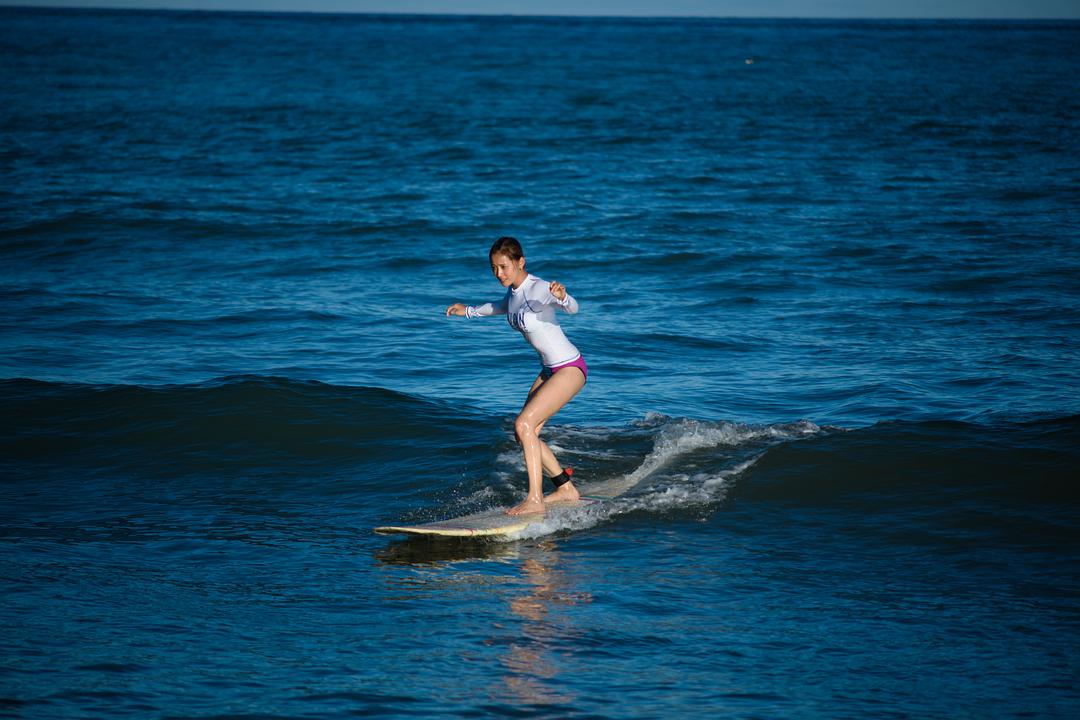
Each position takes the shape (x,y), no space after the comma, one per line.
(529,306)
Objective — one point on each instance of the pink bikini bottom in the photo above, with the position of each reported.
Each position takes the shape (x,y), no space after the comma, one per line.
(547,372)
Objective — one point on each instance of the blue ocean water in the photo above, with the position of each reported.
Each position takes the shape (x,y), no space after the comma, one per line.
(827,273)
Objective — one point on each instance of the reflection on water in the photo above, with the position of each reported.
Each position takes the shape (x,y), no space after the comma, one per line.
(536,594)
(439,551)
(531,663)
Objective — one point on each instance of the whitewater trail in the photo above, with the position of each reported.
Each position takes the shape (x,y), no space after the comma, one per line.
(663,481)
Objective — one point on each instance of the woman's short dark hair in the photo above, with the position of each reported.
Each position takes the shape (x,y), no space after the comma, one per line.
(507,246)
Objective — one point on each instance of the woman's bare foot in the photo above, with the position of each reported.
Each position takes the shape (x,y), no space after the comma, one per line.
(564,493)
(531,505)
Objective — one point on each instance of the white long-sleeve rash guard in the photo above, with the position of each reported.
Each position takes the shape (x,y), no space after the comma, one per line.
(530,309)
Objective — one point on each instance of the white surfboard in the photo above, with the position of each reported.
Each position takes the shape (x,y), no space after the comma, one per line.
(490,523)
(496,523)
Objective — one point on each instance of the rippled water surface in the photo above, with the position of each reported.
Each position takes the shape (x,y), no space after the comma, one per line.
(827,275)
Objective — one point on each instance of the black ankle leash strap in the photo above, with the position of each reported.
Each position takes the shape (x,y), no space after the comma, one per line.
(563,477)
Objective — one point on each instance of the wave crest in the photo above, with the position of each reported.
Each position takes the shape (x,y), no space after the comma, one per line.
(691,463)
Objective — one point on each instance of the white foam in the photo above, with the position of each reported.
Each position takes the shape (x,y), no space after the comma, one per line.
(682,491)
(679,492)
(684,436)
(674,439)
(562,450)
(578,518)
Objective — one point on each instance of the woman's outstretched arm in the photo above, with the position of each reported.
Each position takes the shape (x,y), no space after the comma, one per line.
(491,308)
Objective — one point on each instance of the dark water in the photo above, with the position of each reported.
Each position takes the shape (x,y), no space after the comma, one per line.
(829,303)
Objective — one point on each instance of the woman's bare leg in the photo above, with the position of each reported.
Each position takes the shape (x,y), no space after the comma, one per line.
(550,463)
(565,492)
(546,399)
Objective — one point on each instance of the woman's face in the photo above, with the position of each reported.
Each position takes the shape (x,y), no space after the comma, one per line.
(508,272)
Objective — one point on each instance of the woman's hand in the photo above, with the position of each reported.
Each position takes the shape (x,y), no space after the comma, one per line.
(455,309)
(558,290)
